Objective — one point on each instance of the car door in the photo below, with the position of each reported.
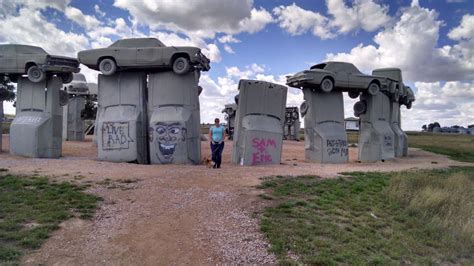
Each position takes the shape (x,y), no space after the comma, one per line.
(125,53)
(341,76)
(8,59)
(150,52)
(356,78)
(150,56)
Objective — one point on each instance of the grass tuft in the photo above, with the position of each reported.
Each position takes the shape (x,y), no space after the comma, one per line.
(31,208)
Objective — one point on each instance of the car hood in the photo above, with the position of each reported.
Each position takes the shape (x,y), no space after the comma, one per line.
(63,57)
(187,48)
(312,71)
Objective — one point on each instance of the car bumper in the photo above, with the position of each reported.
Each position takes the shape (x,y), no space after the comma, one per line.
(298,81)
(49,68)
(202,63)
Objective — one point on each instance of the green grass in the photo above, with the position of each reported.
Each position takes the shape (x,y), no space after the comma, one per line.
(31,208)
(421,217)
(455,146)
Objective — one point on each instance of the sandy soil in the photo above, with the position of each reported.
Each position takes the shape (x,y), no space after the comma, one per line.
(175,214)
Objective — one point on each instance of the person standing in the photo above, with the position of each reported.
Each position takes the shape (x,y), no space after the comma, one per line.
(216,135)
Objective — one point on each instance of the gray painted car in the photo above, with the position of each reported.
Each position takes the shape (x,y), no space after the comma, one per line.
(17,59)
(136,53)
(337,75)
(78,85)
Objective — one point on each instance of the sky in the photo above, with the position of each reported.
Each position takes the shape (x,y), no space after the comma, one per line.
(432,41)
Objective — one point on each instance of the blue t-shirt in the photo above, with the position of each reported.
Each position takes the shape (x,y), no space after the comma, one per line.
(217,133)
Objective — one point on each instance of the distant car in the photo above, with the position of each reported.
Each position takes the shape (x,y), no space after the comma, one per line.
(17,59)
(139,53)
(340,75)
(78,85)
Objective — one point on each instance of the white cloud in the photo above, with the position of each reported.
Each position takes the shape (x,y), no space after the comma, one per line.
(449,104)
(297,21)
(465,30)
(203,18)
(364,14)
(99,11)
(29,27)
(76,15)
(257,21)
(229,49)
(411,44)
(228,39)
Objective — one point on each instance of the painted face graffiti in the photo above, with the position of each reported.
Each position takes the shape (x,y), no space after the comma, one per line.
(168,136)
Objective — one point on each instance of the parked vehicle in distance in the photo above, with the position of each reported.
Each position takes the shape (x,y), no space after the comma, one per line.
(18,59)
(337,75)
(78,85)
(139,53)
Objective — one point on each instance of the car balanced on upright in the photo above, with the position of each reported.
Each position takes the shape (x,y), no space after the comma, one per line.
(144,53)
(343,76)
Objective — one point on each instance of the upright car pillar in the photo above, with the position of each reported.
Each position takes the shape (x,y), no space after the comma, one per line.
(259,123)
(325,134)
(36,130)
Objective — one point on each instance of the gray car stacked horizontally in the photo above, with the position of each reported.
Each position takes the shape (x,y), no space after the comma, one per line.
(17,59)
(144,53)
(337,75)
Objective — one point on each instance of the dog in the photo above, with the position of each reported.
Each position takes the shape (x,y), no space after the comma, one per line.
(208,162)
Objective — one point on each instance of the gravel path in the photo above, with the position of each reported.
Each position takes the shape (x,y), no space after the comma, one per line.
(175,214)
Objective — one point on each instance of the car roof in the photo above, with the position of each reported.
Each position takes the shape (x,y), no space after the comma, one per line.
(138,41)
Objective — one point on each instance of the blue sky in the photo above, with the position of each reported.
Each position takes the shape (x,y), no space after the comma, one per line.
(432,41)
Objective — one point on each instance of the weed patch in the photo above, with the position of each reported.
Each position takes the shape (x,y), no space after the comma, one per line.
(31,208)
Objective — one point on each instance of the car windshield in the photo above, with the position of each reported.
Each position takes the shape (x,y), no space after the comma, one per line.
(319,66)
(79,77)
(25,49)
(139,42)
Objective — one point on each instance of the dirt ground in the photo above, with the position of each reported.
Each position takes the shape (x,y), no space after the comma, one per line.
(170,214)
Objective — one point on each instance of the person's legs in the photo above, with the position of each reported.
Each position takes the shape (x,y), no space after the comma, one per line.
(219,154)
(214,148)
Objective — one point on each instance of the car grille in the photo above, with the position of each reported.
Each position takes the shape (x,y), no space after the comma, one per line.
(63,62)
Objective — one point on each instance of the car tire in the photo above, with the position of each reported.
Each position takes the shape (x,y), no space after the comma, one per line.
(409,105)
(354,94)
(181,66)
(35,74)
(66,77)
(360,108)
(326,85)
(373,88)
(304,108)
(107,66)
(63,98)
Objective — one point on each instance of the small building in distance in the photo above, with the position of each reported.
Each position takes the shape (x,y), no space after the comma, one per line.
(351,124)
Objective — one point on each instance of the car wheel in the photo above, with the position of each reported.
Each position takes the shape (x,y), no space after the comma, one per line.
(327,85)
(373,88)
(354,94)
(181,65)
(409,105)
(63,98)
(360,108)
(304,108)
(66,77)
(36,74)
(107,66)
